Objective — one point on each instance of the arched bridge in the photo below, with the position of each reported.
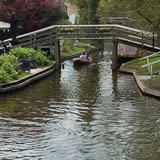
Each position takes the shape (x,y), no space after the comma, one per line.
(117,33)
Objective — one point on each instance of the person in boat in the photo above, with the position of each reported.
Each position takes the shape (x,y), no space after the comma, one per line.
(83,56)
(86,53)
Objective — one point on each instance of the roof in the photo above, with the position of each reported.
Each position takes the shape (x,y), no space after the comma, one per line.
(4,25)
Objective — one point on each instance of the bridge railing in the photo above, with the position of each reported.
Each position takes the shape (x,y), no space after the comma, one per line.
(48,35)
(84,32)
(37,38)
(149,64)
(135,35)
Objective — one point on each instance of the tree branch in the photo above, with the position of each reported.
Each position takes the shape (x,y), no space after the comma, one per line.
(146,18)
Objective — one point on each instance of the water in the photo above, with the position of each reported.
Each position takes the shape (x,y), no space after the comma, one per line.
(86,113)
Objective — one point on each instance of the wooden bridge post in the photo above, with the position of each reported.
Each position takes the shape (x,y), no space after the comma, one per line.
(115,55)
(57,54)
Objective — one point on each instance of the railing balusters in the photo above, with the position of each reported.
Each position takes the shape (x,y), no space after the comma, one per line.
(119,32)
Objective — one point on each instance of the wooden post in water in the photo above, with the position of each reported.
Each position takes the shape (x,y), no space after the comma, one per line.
(57,54)
(115,55)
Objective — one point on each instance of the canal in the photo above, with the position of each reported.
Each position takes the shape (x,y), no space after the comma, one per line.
(80,113)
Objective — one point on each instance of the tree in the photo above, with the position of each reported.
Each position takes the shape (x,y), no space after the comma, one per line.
(125,8)
(93,5)
(146,13)
(33,14)
(87,11)
(151,14)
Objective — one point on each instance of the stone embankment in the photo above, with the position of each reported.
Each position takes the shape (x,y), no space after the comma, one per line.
(140,79)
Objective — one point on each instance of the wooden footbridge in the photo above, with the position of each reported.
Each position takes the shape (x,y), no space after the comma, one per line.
(118,33)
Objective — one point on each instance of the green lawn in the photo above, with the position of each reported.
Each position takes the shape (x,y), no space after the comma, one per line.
(79,47)
(75,50)
(136,64)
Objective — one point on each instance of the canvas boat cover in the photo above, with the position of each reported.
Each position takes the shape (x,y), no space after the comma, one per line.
(4,25)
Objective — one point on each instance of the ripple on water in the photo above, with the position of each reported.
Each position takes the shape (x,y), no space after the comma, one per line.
(80,113)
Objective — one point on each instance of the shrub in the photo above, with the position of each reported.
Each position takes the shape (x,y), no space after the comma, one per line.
(10,70)
(4,77)
(12,59)
(28,53)
(9,63)
(63,22)
(42,59)
(21,53)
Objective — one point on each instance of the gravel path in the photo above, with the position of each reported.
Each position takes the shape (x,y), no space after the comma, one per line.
(71,8)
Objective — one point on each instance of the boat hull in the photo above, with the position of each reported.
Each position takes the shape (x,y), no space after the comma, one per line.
(79,61)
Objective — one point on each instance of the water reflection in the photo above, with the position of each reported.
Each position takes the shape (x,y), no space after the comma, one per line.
(80,113)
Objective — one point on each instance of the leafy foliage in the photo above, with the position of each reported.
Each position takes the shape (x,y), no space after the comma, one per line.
(8,58)
(4,77)
(9,69)
(29,53)
(33,14)
(87,11)
(146,13)
(8,65)
(42,59)
(20,52)
(63,22)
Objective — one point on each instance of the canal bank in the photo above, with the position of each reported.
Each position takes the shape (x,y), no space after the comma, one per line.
(80,113)
(140,80)
(35,74)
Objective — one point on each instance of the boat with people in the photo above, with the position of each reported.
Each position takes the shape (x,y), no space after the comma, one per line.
(83,59)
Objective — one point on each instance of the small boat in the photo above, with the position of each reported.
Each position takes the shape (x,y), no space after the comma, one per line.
(81,61)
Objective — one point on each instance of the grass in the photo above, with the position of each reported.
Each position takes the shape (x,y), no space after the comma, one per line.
(136,64)
(75,50)
(23,74)
(79,47)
